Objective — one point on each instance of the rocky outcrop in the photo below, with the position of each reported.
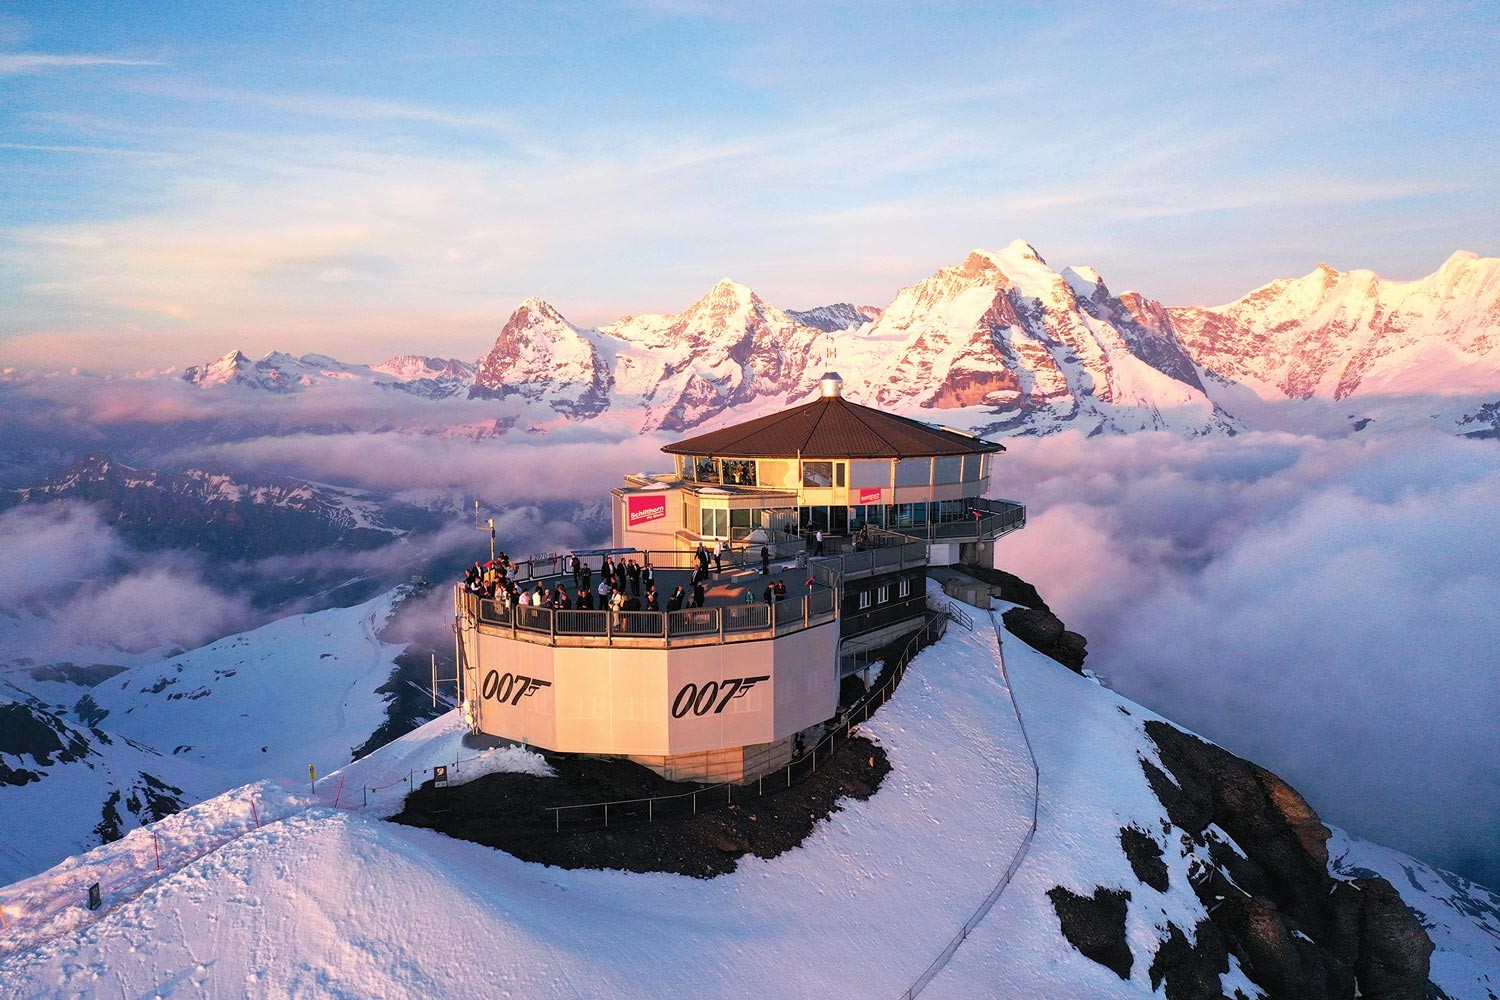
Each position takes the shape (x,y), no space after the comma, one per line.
(1095,925)
(1294,929)
(1034,623)
(1044,632)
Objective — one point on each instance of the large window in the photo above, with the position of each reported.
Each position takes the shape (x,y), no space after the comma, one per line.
(947,468)
(817,474)
(708,470)
(973,468)
(870,472)
(739,471)
(913,472)
(714,522)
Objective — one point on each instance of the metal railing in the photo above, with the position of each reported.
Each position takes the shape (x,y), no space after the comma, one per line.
(968,926)
(999,517)
(648,809)
(690,626)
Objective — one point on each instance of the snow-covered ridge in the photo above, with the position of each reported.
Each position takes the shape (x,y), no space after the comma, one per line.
(1336,334)
(283,373)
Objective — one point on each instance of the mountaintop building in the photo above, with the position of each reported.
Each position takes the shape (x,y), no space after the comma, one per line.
(720,691)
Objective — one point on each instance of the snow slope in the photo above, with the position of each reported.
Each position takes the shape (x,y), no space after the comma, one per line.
(301,690)
(323,901)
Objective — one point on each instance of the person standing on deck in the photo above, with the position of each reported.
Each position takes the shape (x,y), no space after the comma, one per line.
(818,540)
(765,561)
(648,575)
(633,573)
(674,603)
(699,595)
(652,602)
(576,566)
(719,558)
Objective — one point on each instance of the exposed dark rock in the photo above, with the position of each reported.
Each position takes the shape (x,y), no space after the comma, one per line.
(72,673)
(1145,857)
(1296,931)
(1394,950)
(1011,587)
(46,739)
(1191,968)
(508,811)
(1044,632)
(1095,925)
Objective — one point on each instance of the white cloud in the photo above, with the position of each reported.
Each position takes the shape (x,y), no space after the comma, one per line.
(1327,609)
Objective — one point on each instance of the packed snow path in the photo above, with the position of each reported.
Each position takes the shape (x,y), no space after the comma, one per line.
(324,902)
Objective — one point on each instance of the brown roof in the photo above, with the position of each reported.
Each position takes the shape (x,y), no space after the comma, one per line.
(832,427)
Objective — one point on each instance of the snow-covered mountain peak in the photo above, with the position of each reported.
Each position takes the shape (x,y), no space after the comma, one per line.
(542,357)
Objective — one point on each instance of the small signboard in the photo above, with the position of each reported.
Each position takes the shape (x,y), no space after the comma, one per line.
(95,898)
(440,774)
(641,509)
(869,496)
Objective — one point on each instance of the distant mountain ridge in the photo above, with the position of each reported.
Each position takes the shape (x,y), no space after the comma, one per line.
(216,512)
(435,378)
(1000,343)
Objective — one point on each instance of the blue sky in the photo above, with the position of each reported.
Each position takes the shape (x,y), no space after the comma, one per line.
(356,179)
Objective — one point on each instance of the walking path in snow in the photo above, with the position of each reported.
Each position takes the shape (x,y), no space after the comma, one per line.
(939,963)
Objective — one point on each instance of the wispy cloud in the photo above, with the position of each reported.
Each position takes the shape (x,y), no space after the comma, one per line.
(20,63)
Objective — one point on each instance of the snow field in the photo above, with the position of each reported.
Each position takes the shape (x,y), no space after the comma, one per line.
(326,903)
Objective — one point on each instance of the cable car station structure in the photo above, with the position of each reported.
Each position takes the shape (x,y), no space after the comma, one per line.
(719,693)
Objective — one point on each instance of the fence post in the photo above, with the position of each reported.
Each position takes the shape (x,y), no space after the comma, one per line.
(651,810)
(719,613)
(606,815)
(609,622)
(552,624)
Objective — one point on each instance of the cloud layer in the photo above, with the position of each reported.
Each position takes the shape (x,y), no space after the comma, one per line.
(1327,609)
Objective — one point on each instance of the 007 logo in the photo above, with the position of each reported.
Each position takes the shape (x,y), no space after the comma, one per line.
(508,688)
(713,696)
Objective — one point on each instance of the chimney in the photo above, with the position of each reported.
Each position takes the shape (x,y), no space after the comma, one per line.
(832,384)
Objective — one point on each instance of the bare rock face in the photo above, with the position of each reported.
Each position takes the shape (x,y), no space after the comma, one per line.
(1095,925)
(1294,929)
(1043,631)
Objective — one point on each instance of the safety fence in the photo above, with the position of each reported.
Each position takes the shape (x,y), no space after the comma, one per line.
(721,623)
(802,764)
(985,905)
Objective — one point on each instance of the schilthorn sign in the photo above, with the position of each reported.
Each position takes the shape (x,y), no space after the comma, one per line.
(640,509)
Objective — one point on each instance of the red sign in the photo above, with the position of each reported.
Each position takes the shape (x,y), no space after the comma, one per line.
(640,509)
(869,496)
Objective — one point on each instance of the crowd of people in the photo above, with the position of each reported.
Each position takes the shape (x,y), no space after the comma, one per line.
(626,585)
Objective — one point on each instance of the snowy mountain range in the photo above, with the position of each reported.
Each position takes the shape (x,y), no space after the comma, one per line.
(999,343)
(1036,835)
(434,378)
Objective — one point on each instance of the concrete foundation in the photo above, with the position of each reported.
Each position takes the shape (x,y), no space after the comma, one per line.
(736,764)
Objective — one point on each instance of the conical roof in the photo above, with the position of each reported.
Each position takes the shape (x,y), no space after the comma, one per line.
(832,427)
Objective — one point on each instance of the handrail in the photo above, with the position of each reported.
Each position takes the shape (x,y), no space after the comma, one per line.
(866,705)
(721,623)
